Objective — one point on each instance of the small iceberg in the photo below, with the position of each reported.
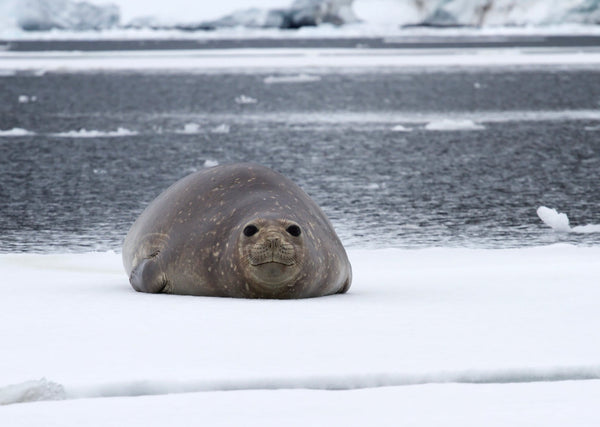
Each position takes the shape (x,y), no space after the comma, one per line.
(84,133)
(453,124)
(16,132)
(243,99)
(223,128)
(401,128)
(190,128)
(25,99)
(559,222)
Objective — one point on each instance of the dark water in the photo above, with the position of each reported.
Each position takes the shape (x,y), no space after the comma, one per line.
(334,136)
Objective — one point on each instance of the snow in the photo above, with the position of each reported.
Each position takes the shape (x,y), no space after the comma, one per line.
(15,132)
(83,133)
(560,222)
(477,334)
(453,124)
(379,18)
(547,405)
(311,61)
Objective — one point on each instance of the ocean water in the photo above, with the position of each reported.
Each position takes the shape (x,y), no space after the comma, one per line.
(396,159)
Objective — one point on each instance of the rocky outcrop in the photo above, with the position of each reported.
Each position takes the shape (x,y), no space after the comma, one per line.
(43,15)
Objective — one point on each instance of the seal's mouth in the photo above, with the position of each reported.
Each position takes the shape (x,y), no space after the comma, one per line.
(286,263)
(272,251)
(273,273)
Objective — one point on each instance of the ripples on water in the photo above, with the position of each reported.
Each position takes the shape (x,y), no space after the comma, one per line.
(381,187)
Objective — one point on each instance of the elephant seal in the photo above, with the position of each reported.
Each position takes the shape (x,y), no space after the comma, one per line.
(239,230)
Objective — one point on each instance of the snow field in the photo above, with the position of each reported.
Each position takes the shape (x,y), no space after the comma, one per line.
(411,316)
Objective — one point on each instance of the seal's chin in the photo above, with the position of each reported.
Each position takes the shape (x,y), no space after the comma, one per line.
(274,274)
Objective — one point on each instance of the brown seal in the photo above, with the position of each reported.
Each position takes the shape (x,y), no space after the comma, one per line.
(240,230)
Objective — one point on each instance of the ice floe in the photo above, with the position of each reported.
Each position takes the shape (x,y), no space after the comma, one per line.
(190,128)
(84,133)
(16,132)
(243,99)
(297,78)
(560,222)
(453,124)
(222,128)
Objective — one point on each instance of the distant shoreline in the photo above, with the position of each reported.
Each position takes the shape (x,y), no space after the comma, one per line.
(392,42)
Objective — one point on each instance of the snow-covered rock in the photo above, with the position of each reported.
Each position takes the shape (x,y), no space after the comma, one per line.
(302,13)
(43,15)
(511,12)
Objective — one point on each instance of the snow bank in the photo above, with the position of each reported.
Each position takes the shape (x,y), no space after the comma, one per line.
(83,133)
(560,222)
(16,132)
(453,124)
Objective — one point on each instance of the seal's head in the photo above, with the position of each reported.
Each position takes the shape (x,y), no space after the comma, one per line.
(273,251)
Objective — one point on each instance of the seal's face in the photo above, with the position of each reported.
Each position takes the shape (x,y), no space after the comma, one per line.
(273,250)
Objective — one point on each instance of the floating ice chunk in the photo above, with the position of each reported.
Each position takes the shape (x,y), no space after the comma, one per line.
(16,132)
(401,128)
(560,222)
(298,78)
(190,128)
(84,133)
(208,163)
(224,128)
(585,229)
(453,124)
(31,391)
(557,221)
(24,99)
(243,99)
(592,128)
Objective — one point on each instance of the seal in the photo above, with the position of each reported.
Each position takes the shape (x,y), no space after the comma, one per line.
(240,230)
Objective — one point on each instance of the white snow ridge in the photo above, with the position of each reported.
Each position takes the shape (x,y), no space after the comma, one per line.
(31,391)
(560,222)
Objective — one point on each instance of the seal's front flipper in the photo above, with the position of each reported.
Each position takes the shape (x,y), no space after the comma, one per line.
(147,276)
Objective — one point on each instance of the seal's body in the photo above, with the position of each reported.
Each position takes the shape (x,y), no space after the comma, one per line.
(239,230)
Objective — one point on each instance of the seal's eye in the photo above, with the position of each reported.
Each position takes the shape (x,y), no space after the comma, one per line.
(250,230)
(294,230)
